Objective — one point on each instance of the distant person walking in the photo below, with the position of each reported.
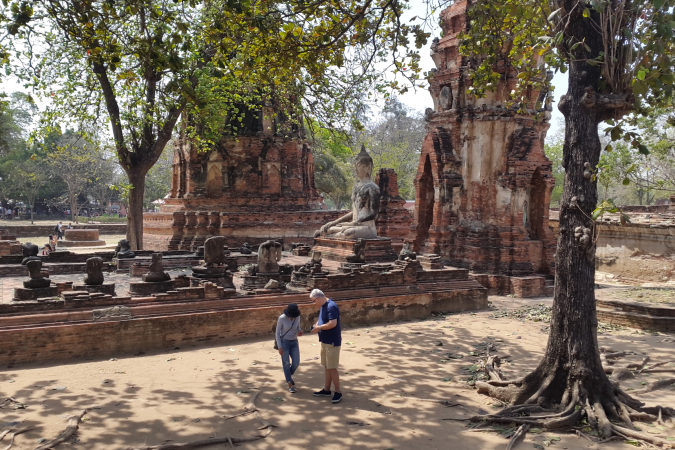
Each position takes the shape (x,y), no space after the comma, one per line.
(329,328)
(288,330)
(59,230)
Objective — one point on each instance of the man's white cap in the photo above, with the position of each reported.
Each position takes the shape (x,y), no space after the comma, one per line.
(316,293)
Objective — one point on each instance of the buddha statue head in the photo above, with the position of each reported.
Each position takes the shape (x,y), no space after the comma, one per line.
(363,164)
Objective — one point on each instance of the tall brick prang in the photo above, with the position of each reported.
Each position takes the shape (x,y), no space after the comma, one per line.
(484,183)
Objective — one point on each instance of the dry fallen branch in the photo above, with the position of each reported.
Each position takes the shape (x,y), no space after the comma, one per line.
(492,368)
(71,428)
(446,403)
(245,413)
(518,436)
(13,435)
(250,407)
(654,366)
(655,385)
(13,402)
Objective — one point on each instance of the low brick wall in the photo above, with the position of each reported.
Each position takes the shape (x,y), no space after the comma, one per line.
(60,342)
(42,231)
(646,316)
(521,287)
(17,270)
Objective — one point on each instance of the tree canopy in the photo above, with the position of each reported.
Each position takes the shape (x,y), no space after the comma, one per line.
(142,63)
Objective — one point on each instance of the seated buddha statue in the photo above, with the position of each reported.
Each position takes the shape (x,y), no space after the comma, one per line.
(360,222)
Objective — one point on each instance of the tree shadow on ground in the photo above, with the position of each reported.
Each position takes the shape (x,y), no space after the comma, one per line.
(388,373)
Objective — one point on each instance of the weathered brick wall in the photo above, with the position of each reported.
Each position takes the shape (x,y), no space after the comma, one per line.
(483,181)
(42,231)
(60,342)
(182,230)
(646,316)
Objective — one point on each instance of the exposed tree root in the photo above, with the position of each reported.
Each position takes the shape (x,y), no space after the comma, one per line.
(264,426)
(71,428)
(660,384)
(641,436)
(560,400)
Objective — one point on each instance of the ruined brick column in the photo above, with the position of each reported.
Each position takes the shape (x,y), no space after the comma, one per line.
(484,183)
(393,220)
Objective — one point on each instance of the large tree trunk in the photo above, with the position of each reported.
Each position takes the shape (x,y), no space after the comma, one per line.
(73,208)
(570,377)
(572,353)
(135,210)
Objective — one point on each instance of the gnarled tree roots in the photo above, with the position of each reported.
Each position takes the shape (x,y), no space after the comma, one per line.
(550,401)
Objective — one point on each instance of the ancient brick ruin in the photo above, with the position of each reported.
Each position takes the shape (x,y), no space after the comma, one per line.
(394,220)
(251,188)
(484,183)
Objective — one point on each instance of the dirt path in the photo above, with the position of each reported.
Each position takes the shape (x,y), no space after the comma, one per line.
(183,394)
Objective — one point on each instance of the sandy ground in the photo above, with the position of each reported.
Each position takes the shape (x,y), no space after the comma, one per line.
(184,394)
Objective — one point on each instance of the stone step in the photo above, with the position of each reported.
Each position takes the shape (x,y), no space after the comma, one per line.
(636,320)
(650,309)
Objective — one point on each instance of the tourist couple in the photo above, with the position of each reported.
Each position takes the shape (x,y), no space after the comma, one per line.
(330,335)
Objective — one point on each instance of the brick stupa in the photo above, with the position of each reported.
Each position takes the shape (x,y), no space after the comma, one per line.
(484,183)
(257,186)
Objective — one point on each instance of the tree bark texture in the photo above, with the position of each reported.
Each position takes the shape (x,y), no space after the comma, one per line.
(135,211)
(570,375)
(572,353)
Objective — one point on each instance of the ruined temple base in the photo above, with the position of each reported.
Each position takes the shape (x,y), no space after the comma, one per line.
(188,229)
(22,294)
(521,287)
(71,244)
(254,283)
(366,251)
(63,331)
(646,316)
(105,288)
(143,288)
(223,281)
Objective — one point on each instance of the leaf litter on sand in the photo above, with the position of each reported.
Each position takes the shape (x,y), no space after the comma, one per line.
(542,313)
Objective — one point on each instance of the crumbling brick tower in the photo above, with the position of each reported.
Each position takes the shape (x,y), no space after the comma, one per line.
(250,188)
(484,183)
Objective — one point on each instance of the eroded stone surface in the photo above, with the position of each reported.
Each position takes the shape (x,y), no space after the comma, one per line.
(255,187)
(393,220)
(484,183)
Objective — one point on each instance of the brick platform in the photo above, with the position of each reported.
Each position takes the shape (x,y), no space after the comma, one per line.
(168,321)
(647,316)
(362,250)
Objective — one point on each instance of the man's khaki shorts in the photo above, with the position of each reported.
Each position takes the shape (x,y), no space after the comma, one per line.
(330,356)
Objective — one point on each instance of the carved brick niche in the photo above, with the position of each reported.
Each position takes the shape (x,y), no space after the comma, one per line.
(483,183)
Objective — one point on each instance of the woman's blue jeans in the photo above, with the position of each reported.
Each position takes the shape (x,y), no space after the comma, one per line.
(291,358)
